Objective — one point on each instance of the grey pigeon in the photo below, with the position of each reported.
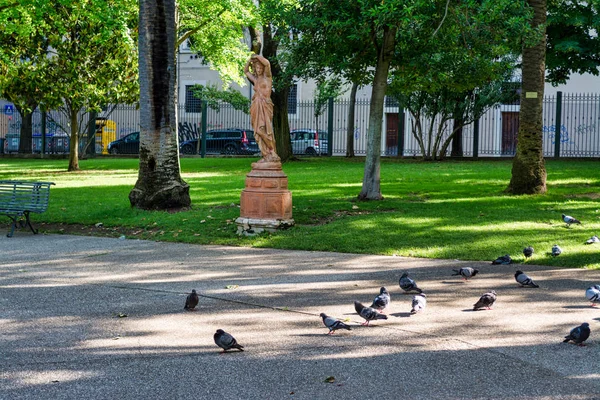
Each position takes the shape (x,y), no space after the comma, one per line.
(486,300)
(225,341)
(556,251)
(465,272)
(570,220)
(579,335)
(593,239)
(419,302)
(593,294)
(333,324)
(502,260)
(191,301)
(525,280)
(528,251)
(408,284)
(368,313)
(382,301)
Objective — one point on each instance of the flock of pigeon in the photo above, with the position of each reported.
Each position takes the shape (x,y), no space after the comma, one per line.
(376,311)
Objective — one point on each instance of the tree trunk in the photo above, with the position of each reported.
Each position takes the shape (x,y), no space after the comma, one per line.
(281,90)
(255,42)
(371,188)
(281,123)
(73,141)
(529,171)
(159,185)
(457,128)
(351,117)
(26,134)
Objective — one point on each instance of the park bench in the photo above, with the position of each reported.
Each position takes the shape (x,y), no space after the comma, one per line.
(19,198)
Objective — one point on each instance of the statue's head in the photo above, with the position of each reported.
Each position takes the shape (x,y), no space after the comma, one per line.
(258,67)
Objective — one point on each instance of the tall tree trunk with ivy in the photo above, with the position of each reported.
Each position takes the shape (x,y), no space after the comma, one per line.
(529,171)
(281,90)
(159,185)
(371,187)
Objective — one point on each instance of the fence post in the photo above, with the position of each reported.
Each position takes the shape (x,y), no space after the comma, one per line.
(91,136)
(401,127)
(557,124)
(330,127)
(476,138)
(43,150)
(203,127)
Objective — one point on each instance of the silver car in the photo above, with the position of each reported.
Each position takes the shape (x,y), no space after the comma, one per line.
(309,142)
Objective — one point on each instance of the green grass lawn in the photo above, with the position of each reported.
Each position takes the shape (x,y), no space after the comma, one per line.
(451,209)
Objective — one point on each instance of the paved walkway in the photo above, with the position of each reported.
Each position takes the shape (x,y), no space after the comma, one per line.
(61,336)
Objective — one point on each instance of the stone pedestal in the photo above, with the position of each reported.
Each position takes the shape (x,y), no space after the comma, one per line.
(266,202)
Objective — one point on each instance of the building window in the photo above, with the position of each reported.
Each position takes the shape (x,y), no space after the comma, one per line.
(293,99)
(192,104)
(391,101)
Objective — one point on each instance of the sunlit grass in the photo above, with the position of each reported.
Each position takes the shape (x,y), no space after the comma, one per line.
(455,210)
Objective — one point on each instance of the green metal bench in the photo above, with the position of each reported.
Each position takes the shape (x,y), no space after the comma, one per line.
(19,198)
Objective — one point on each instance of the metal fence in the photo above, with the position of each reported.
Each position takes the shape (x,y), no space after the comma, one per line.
(493,135)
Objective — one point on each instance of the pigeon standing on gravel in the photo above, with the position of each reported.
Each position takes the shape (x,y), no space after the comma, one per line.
(191,301)
(486,300)
(579,335)
(556,251)
(225,341)
(592,240)
(525,280)
(593,294)
(570,220)
(465,272)
(368,313)
(333,324)
(408,284)
(528,251)
(502,260)
(382,301)
(419,302)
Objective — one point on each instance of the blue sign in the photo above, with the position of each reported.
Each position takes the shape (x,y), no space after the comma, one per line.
(9,109)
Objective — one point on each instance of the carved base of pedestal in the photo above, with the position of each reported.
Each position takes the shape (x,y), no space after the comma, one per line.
(252,226)
(266,202)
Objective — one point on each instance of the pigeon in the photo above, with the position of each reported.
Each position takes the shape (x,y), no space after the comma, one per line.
(368,313)
(486,300)
(333,324)
(579,335)
(556,250)
(593,294)
(408,284)
(465,272)
(528,251)
(382,300)
(191,301)
(570,220)
(593,239)
(419,302)
(525,280)
(502,260)
(225,341)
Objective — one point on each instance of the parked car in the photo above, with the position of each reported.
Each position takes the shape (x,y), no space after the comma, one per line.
(223,141)
(309,141)
(129,144)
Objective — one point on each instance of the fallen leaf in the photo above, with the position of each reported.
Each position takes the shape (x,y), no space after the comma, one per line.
(232,286)
(329,379)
